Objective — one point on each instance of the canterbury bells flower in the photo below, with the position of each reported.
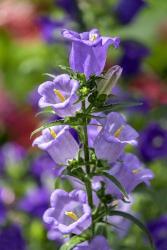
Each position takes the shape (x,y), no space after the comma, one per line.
(111,77)
(89,51)
(59,143)
(60,94)
(69,212)
(115,134)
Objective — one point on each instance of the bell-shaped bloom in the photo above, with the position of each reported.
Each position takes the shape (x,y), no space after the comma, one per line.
(60,94)
(111,77)
(59,143)
(126,10)
(99,242)
(153,142)
(69,212)
(129,172)
(116,133)
(89,51)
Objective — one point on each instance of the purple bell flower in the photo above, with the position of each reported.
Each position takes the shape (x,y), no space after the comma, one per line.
(115,134)
(153,142)
(158,230)
(35,202)
(126,10)
(97,243)
(11,238)
(59,143)
(57,236)
(89,51)
(60,94)
(69,212)
(129,172)
(133,55)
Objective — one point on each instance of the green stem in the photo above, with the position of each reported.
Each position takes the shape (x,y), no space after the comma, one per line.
(86,155)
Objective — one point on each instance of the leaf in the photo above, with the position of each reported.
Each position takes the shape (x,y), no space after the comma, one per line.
(116,182)
(134,220)
(46,112)
(116,107)
(47,125)
(73,242)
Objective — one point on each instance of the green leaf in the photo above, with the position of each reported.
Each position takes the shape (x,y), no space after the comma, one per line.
(47,125)
(116,182)
(46,112)
(116,107)
(73,242)
(134,220)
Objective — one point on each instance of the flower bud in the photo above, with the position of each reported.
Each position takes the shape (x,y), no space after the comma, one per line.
(111,77)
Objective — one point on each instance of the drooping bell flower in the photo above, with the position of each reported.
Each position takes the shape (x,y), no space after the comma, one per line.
(158,231)
(129,172)
(153,142)
(69,212)
(99,242)
(60,94)
(89,51)
(59,143)
(126,10)
(104,86)
(115,134)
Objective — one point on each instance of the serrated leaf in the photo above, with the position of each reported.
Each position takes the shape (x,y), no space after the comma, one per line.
(47,125)
(116,182)
(134,220)
(73,242)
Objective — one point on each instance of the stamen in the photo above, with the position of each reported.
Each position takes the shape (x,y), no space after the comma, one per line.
(72,215)
(118,132)
(53,133)
(93,37)
(59,94)
(136,171)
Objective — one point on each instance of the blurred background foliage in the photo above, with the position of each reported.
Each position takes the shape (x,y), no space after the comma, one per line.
(30,46)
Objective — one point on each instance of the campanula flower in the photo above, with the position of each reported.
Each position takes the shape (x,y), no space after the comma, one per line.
(126,10)
(60,94)
(69,212)
(99,242)
(115,134)
(59,143)
(129,172)
(153,142)
(89,51)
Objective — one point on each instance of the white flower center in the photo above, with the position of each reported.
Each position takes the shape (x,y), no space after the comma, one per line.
(93,37)
(157,141)
(72,215)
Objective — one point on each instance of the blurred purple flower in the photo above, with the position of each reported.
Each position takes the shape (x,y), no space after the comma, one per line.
(126,10)
(133,54)
(51,29)
(59,143)
(89,51)
(129,172)
(35,202)
(33,99)
(60,94)
(153,142)
(99,242)
(44,164)
(115,134)
(69,212)
(2,209)
(12,153)
(57,236)
(70,6)
(158,230)
(11,238)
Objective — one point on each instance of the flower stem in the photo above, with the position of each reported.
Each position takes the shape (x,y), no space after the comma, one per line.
(86,155)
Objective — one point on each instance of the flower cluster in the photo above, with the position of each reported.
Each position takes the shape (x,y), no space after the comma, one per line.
(105,174)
